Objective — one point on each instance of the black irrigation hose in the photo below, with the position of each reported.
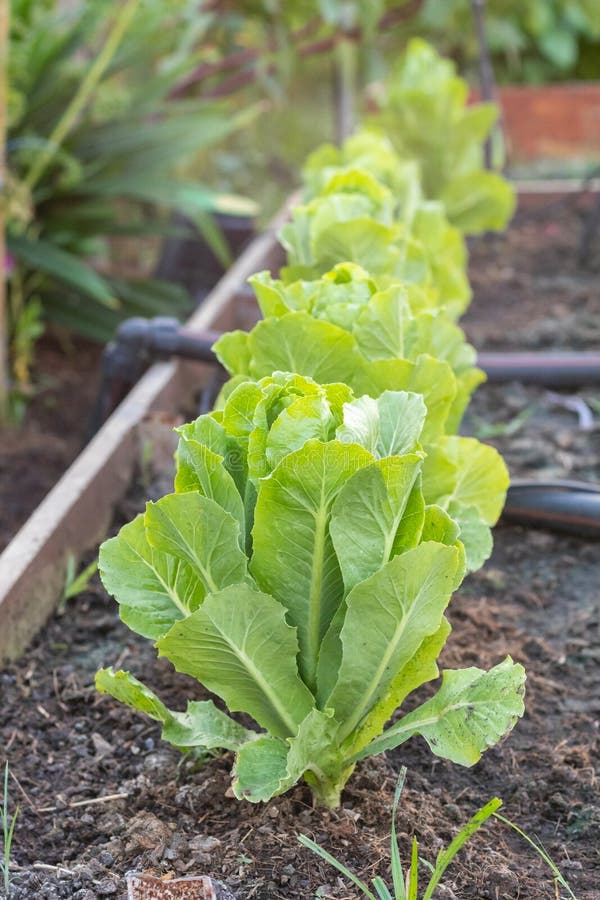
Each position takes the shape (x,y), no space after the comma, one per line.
(549,369)
(137,343)
(567,506)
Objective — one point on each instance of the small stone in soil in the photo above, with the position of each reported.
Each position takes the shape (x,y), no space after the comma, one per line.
(205,843)
(106,888)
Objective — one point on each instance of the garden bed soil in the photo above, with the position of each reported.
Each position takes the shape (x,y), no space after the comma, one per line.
(100,795)
(35,454)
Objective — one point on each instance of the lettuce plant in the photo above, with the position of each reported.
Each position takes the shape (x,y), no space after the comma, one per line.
(390,324)
(357,218)
(423,111)
(373,153)
(324,514)
(299,573)
(341,327)
(433,240)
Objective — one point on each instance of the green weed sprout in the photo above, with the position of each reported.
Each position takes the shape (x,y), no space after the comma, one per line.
(8,830)
(407,887)
(559,878)
(76,584)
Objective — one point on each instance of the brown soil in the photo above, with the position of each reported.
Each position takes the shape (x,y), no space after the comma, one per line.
(34,455)
(66,378)
(537,599)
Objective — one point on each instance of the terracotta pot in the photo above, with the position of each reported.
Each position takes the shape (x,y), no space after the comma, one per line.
(553,122)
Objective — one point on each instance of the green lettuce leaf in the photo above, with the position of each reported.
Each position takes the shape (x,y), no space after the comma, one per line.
(267,767)
(472,710)
(153,588)
(224,645)
(403,603)
(368,513)
(200,469)
(196,531)
(417,671)
(202,725)
(294,558)
(391,425)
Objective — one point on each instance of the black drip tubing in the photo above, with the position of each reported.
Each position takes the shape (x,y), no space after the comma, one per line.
(568,506)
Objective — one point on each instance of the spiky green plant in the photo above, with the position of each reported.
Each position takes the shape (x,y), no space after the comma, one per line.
(406,887)
(95,150)
(8,830)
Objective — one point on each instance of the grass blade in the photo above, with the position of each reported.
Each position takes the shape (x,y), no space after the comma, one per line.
(7,833)
(397,873)
(75,585)
(413,877)
(446,857)
(306,842)
(541,851)
(383,891)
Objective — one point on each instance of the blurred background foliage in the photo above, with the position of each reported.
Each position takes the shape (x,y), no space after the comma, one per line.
(96,153)
(531,42)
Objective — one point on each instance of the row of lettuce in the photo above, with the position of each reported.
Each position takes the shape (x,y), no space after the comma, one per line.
(325,512)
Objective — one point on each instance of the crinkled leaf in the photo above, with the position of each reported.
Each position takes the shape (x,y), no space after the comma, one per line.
(294,557)
(472,710)
(201,725)
(260,769)
(204,725)
(153,588)
(268,767)
(403,603)
(314,748)
(391,425)
(123,686)
(195,530)
(239,645)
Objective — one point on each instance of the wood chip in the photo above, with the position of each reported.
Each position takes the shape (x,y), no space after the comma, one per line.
(198,887)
